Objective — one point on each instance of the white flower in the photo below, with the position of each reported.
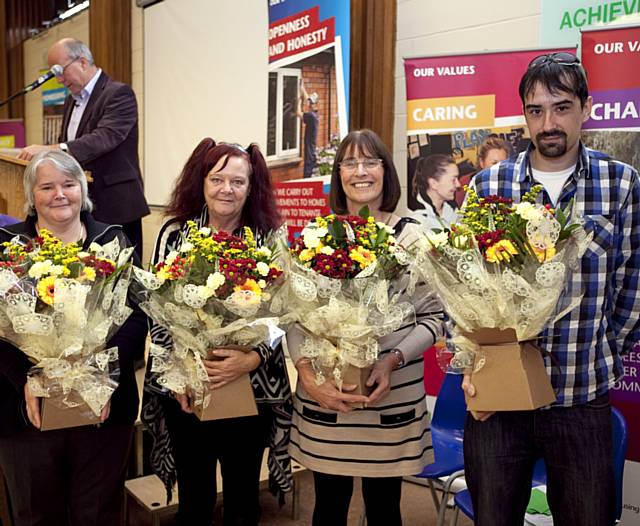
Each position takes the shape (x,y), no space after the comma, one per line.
(391,240)
(327,250)
(438,239)
(527,211)
(171,258)
(262,284)
(40,268)
(204,292)
(262,268)
(205,231)
(82,255)
(56,270)
(95,247)
(186,247)
(265,251)
(215,280)
(460,241)
(312,235)
(384,226)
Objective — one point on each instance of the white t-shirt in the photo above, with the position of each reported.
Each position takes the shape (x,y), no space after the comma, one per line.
(553,182)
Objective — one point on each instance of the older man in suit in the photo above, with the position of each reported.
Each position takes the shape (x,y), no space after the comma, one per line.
(100,129)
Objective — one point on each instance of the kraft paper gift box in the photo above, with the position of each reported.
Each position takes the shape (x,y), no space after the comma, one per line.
(55,415)
(513,377)
(232,400)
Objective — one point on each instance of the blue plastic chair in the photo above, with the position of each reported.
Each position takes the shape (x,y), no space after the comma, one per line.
(463,498)
(447,431)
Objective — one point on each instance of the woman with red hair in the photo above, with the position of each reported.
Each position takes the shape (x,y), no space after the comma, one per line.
(225,187)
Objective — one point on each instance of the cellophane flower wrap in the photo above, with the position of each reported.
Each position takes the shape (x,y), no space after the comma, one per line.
(60,305)
(214,291)
(344,290)
(505,265)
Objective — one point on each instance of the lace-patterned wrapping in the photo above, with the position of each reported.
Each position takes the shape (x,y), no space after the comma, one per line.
(198,325)
(478,295)
(342,319)
(71,383)
(66,339)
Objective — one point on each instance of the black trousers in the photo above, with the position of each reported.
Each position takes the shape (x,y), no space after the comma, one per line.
(133,230)
(577,447)
(238,444)
(333,495)
(67,477)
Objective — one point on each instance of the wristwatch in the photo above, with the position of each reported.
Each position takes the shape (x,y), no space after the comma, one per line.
(399,357)
(63,146)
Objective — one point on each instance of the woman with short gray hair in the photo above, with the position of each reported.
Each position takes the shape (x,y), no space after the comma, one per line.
(74,475)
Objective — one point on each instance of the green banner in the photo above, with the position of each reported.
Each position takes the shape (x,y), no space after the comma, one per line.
(562,21)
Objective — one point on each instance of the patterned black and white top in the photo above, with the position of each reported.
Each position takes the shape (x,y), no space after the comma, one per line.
(269,381)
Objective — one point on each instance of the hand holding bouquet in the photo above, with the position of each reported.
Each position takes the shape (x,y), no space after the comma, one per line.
(213,291)
(60,305)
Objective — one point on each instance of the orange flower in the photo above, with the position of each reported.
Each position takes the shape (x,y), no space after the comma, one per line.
(251,285)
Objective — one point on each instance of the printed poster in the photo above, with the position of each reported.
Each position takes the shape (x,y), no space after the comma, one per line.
(309,54)
(456,103)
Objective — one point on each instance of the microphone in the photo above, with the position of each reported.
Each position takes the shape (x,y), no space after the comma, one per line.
(55,71)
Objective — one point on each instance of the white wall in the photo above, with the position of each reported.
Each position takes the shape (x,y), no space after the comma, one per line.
(205,74)
(436,27)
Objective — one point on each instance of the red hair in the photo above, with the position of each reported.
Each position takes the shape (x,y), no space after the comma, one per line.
(187,199)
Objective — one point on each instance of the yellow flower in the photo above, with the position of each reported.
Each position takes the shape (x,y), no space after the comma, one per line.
(544,254)
(251,285)
(307,254)
(88,273)
(46,288)
(362,256)
(501,251)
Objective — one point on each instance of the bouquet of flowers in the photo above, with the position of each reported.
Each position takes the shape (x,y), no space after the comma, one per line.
(213,291)
(60,305)
(504,266)
(345,290)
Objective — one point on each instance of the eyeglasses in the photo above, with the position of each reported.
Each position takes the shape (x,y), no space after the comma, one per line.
(68,64)
(350,165)
(562,58)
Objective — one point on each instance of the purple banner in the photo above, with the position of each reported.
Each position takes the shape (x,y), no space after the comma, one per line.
(615,109)
(627,389)
(12,133)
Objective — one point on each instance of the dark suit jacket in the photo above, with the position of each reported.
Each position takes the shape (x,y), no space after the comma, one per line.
(106,145)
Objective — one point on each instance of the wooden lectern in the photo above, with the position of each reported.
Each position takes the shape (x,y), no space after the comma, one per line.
(11,187)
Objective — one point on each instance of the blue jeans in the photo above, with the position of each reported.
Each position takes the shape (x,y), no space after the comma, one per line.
(576,444)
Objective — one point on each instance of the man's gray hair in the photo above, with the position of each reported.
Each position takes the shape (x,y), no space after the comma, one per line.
(77,49)
(63,162)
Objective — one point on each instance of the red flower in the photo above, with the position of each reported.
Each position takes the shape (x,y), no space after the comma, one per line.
(337,265)
(487,239)
(495,199)
(274,274)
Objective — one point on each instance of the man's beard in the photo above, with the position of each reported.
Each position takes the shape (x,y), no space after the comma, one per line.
(555,149)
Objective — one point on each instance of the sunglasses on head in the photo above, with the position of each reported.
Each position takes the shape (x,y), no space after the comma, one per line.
(562,58)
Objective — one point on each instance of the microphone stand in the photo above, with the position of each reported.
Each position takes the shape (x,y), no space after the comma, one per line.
(14,96)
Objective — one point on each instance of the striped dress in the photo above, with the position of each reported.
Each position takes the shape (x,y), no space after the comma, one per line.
(391,437)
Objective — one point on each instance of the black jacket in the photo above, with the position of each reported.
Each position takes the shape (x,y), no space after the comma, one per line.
(130,340)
